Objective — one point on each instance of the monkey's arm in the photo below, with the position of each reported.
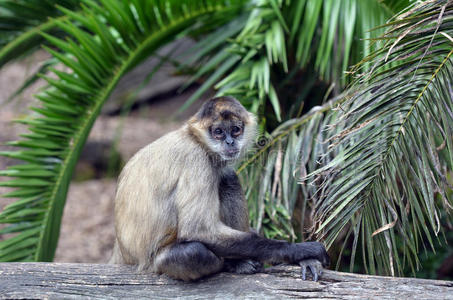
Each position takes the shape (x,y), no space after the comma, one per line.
(233,207)
(234,214)
(250,245)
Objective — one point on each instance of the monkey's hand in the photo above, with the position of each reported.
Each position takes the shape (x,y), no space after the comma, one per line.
(309,254)
(246,266)
(308,250)
(312,255)
(315,267)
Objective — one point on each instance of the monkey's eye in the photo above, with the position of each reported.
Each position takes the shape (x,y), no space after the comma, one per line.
(235,130)
(218,131)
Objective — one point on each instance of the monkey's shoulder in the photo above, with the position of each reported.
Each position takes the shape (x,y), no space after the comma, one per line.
(171,153)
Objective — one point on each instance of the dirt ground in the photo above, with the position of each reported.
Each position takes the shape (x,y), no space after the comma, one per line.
(87,232)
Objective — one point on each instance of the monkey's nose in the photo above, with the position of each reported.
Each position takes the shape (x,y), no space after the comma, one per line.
(229,141)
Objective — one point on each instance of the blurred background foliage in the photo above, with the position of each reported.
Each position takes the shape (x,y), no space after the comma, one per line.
(354,102)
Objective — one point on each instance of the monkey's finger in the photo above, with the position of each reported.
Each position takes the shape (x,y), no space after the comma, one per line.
(314,272)
(256,264)
(304,271)
(314,266)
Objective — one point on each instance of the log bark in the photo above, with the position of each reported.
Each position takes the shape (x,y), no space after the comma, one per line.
(78,281)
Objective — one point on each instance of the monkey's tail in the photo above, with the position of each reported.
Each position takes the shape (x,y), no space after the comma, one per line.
(117,257)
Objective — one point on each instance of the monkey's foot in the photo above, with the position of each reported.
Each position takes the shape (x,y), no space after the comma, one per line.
(246,266)
(315,267)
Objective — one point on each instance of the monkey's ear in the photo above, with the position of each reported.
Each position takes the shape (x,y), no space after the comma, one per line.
(251,119)
(250,130)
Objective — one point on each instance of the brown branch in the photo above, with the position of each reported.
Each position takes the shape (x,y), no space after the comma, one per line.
(63,281)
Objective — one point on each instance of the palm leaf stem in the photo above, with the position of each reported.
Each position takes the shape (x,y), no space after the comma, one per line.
(277,136)
(10,50)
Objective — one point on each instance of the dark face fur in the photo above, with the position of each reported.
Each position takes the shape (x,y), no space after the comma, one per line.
(224,126)
(228,135)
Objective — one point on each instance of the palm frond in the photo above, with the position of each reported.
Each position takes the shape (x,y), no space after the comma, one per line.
(374,164)
(388,180)
(315,39)
(283,38)
(21,22)
(278,204)
(343,34)
(117,35)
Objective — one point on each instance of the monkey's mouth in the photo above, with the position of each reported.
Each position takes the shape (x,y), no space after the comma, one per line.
(231,153)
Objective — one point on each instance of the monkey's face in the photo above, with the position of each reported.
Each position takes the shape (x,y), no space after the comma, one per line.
(227,138)
(224,127)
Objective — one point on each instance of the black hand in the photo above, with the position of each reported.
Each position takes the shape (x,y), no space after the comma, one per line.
(309,250)
(315,267)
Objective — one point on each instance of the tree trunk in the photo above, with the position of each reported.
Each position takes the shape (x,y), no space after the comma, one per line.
(68,281)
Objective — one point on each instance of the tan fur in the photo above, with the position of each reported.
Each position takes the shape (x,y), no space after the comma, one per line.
(168,191)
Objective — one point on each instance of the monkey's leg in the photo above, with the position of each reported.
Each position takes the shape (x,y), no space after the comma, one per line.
(187,261)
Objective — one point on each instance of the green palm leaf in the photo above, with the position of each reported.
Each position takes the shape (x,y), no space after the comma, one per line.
(117,36)
(319,37)
(379,157)
(389,179)
(318,32)
(271,174)
(21,22)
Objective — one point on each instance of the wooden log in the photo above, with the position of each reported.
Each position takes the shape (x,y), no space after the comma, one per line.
(69,281)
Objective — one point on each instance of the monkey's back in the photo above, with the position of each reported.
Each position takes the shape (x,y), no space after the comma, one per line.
(146,216)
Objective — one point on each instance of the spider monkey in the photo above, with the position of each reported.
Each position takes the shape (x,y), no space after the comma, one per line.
(180,209)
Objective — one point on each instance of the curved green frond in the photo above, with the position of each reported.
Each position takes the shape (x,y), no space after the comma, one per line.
(324,38)
(117,35)
(283,39)
(271,174)
(390,172)
(379,157)
(22,21)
